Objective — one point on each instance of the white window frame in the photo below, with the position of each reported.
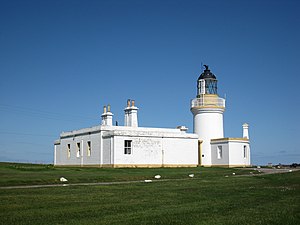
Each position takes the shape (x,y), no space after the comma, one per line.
(219,151)
(127,147)
(89,148)
(69,151)
(78,154)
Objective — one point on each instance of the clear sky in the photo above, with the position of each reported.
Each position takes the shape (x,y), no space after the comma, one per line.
(62,60)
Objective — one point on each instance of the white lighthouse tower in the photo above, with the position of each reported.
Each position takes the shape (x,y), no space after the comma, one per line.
(208,109)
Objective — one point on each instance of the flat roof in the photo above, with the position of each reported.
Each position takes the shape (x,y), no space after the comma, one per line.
(130,131)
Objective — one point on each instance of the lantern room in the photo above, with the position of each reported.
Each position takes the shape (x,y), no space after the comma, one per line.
(207,83)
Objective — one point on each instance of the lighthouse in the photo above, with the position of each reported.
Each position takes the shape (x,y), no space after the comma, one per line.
(207,109)
(106,145)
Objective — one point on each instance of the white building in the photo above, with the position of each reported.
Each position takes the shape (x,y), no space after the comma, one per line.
(132,146)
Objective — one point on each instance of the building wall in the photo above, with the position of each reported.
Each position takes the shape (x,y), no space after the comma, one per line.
(156,151)
(232,152)
(56,150)
(150,147)
(144,150)
(224,159)
(83,158)
(107,160)
(180,151)
(237,154)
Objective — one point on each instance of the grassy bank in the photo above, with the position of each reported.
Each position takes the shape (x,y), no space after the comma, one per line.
(210,198)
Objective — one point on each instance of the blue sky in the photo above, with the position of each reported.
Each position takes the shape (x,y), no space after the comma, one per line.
(61,61)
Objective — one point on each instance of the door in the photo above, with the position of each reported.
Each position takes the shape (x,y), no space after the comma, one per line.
(199,152)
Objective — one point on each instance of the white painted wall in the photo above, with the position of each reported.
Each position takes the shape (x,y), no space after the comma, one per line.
(236,156)
(233,153)
(145,150)
(156,151)
(224,160)
(93,159)
(107,151)
(150,146)
(180,151)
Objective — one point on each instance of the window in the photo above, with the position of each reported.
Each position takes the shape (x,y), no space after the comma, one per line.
(69,150)
(78,150)
(127,147)
(245,151)
(219,152)
(89,148)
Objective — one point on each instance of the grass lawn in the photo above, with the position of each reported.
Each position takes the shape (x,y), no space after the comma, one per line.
(25,174)
(208,198)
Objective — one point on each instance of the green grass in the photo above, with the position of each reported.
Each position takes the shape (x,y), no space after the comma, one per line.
(25,174)
(209,198)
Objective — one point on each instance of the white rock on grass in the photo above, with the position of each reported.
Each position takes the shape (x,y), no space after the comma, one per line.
(191,175)
(157,176)
(62,179)
(148,181)
(233,173)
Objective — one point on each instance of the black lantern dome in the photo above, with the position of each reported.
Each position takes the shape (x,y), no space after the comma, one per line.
(207,74)
(207,83)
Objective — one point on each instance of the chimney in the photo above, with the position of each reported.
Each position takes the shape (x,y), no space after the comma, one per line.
(131,119)
(183,129)
(126,120)
(246,130)
(107,116)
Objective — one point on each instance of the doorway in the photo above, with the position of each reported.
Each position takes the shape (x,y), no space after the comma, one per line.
(199,152)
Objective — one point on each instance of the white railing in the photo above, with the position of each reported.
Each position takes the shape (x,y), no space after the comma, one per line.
(208,101)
